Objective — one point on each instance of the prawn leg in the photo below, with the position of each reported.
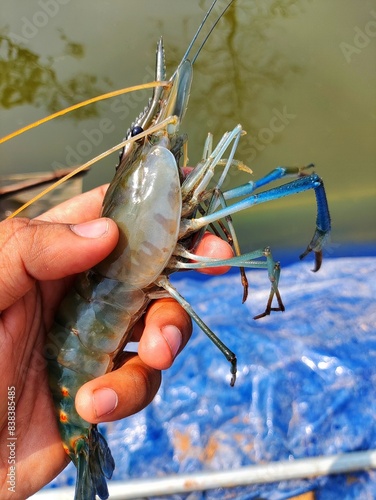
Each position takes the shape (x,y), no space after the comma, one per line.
(164,282)
(203,173)
(276,174)
(218,196)
(197,181)
(245,261)
(195,184)
(313,181)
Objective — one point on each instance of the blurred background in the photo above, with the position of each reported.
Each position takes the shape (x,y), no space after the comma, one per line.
(299,75)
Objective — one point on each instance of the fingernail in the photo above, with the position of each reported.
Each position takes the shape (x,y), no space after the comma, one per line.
(173,337)
(92,229)
(104,401)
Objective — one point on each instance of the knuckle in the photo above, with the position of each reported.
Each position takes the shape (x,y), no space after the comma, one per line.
(145,381)
(11,261)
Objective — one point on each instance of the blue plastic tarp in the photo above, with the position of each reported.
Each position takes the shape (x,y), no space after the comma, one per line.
(305,387)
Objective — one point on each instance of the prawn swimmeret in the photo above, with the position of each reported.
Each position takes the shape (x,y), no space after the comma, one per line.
(162,212)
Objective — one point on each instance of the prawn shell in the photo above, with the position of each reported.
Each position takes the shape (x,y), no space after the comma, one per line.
(145,202)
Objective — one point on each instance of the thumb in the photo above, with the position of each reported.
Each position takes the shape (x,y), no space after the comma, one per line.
(36,250)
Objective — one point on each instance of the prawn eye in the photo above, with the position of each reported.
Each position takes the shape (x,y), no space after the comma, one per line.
(136,130)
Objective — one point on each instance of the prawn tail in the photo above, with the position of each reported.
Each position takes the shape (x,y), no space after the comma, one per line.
(94,465)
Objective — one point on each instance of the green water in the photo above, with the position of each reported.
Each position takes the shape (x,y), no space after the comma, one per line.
(298,75)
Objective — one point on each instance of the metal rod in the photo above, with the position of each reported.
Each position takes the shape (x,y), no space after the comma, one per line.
(301,468)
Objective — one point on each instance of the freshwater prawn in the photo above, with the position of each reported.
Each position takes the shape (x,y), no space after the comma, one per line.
(161,212)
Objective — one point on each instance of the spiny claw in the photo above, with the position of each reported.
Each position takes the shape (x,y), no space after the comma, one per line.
(318,261)
(234,363)
(306,252)
(318,257)
(306,167)
(244,284)
(268,311)
(269,307)
(317,243)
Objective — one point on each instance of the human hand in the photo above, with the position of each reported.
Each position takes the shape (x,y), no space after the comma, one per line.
(38,261)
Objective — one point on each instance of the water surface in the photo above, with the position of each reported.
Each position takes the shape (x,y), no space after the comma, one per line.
(299,75)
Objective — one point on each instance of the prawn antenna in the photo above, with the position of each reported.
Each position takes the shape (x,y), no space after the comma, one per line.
(211,29)
(186,54)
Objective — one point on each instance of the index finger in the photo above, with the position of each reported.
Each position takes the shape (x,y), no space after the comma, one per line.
(84,207)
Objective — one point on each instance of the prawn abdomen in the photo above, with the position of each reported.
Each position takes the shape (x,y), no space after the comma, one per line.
(98,314)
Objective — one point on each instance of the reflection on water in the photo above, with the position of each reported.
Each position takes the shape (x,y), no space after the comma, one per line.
(233,74)
(298,74)
(28,79)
